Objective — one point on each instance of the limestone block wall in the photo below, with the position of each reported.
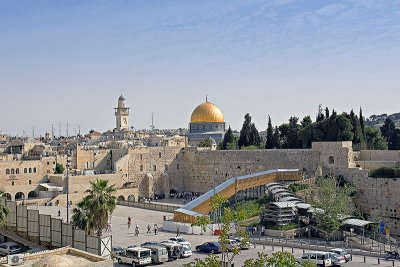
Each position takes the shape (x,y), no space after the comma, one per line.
(335,156)
(372,165)
(201,167)
(378,197)
(380,155)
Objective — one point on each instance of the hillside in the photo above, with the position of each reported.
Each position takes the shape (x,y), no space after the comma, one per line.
(379,120)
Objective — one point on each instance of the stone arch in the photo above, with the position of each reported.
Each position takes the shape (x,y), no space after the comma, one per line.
(121,198)
(7,171)
(131,198)
(17,171)
(19,196)
(57,202)
(32,194)
(12,171)
(30,170)
(7,196)
(34,169)
(25,170)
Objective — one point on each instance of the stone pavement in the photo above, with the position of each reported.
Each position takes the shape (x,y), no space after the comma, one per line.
(122,236)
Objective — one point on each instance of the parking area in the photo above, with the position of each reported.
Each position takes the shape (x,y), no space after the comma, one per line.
(122,236)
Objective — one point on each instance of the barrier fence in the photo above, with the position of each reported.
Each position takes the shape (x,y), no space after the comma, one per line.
(52,232)
(149,206)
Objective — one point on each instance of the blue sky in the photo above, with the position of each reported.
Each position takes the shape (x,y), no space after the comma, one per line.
(70,60)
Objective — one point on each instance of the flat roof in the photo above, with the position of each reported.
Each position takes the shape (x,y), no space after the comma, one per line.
(357,222)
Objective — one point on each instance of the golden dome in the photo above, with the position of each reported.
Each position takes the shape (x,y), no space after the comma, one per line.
(207,112)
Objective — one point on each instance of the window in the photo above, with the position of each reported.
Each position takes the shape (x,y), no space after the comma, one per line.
(34,170)
(30,181)
(177,166)
(12,183)
(141,157)
(154,168)
(48,163)
(159,155)
(30,170)
(17,171)
(313,256)
(331,160)
(25,170)
(7,171)
(12,171)
(141,168)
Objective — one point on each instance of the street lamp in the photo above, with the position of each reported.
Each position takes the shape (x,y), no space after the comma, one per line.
(67,185)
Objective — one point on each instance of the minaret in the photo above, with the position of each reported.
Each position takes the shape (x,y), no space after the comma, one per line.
(122,114)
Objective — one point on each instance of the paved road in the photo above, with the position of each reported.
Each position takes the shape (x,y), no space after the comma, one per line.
(122,236)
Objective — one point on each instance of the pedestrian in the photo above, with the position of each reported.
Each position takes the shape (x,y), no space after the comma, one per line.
(59,213)
(137,230)
(148,228)
(178,231)
(155,229)
(129,222)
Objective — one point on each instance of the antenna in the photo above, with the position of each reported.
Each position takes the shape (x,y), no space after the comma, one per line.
(152,121)
(67,130)
(33,131)
(206,98)
(52,131)
(59,129)
(79,129)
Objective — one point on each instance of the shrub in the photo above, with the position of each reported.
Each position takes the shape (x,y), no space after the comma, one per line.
(385,172)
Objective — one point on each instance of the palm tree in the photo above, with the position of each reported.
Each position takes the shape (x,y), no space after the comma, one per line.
(94,210)
(4,211)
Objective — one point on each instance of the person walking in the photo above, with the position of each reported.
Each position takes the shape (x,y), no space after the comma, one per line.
(59,213)
(137,230)
(155,229)
(129,222)
(178,231)
(148,228)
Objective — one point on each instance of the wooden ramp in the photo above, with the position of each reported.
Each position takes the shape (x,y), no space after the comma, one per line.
(201,205)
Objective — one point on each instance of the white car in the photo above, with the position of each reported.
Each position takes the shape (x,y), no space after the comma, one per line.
(318,257)
(135,256)
(180,241)
(342,252)
(186,252)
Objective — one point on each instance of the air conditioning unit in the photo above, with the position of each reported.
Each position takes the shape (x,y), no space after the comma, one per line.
(14,260)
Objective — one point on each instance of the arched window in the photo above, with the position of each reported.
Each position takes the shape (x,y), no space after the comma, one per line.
(30,170)
(34,170)
(12,183)
(30,181)
(331,160)
(25,170)
(17,171)
(7,171)
(12,171)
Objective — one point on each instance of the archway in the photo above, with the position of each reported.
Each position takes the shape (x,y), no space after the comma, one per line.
(121,198)
(32,194)
(19,196)
(7,196)
(131,198)
(57,202)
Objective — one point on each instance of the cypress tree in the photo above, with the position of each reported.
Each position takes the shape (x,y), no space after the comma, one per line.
(362,124)
(327,112)
(255,138)
(228,139)
(357,133)
(276,138)
(270,135)
(245,132)
(320,115)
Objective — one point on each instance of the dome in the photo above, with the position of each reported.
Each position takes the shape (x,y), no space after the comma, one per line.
(121,98)
(207,112)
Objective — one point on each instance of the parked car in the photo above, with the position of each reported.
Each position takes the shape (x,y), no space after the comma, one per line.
(342,252)
(159,254)
(244,243)
(337,260)
(116,251)
(233,244)
(9,248)
(186,252)
(209,247)
(151,243)
(317,257)
(174,250)
(135,256)
(181,241)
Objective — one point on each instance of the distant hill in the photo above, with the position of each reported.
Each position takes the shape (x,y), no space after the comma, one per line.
(379,120)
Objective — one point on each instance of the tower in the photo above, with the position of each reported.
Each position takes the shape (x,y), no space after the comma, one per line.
(122,114)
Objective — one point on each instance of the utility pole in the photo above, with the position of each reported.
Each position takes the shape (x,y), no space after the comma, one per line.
(59,129)
(152,121)
(67,130)
(79,129)
(52,132)
(33,132)
(67,186)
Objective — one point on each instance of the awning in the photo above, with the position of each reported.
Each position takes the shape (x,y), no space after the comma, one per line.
(357,222)
(52,187)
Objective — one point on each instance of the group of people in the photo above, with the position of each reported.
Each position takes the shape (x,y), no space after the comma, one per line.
(185,196)
(137,227)
(259,230)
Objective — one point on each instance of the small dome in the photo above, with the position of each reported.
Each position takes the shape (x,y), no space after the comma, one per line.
(121,98)
(207,112)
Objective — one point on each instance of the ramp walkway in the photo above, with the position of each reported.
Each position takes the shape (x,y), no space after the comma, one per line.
(201,205)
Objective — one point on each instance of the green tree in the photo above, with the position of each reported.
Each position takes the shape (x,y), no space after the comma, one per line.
(95,208)
(278,259)
(327,113)
(276,138)
(320,114)
(283,130)
(59,169)
(229,140)
(270,135)
(306,121)
(357,131)
(245,132)
(392,134)
(255,139)
(203,222)
(4,211)
(362,124)
(206,143)
(293,133)
(334,200)
(374,139)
